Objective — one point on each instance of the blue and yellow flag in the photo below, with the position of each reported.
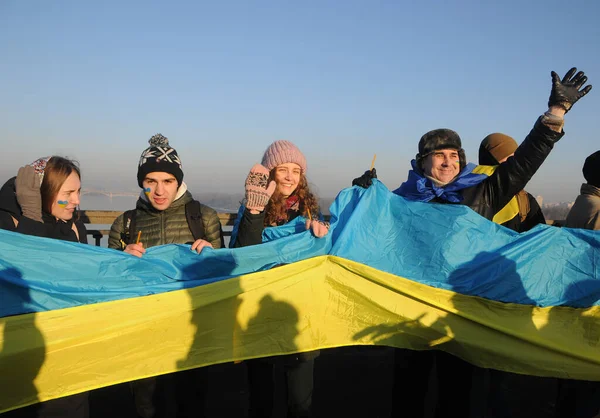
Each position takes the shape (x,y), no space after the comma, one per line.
(390,272)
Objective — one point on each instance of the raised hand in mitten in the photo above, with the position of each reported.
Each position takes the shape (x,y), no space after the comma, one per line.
(258,188)
(27,187)
(366,179)
(567,91)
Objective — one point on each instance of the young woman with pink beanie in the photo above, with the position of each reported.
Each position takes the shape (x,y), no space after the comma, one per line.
(276,193)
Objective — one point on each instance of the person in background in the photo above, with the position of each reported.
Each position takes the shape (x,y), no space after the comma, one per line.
(580,398)
(585,212)
(522,212)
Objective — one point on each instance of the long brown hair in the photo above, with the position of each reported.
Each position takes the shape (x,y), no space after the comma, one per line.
(55,174)
(276,210)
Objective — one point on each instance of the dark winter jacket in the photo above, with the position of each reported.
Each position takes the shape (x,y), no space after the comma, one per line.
(169,226)
(521,213)
(249,228)
(491,194)
(9,208)
(534,217)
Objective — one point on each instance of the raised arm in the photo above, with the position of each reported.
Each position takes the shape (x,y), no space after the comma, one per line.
(515,173)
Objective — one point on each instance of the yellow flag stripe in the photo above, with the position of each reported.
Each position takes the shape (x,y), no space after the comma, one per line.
(317,303)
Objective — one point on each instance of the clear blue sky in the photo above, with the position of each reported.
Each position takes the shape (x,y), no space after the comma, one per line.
(341,79)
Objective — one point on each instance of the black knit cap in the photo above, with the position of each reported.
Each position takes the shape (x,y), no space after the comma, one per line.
(591,169)
(159,157)
(441,139)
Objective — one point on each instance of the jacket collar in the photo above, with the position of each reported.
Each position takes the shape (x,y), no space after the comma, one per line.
(589,189)
(181,199)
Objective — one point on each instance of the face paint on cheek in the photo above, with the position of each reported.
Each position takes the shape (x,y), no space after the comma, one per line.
(147,191)
(62,203)
(457,162)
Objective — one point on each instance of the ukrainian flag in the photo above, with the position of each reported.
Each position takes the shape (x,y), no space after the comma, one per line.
(390,272)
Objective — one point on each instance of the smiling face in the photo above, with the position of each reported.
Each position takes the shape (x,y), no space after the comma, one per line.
(442,165)
(67,199)
(287,177)
(161,189)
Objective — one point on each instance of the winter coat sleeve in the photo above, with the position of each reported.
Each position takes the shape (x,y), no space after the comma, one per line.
(6,221)
(114,237)
(213,231)
(513,175)
(250,229)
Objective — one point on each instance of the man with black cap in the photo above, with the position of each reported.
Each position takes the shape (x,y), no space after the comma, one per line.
(165,213)
(440,174)
(522,212)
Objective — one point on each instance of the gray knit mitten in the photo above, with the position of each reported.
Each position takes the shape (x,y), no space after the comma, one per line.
(27,187)
(258,188)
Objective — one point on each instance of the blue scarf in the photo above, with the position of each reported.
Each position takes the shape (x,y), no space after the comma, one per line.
(419,188)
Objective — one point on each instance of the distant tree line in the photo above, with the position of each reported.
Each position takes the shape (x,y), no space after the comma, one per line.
(556,211)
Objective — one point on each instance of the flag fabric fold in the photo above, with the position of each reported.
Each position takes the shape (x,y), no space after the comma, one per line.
(390,272)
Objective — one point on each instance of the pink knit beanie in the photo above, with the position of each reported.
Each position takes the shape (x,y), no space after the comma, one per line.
(281,152)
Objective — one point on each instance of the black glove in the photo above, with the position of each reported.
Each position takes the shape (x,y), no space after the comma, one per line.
(365,180)
(565,92)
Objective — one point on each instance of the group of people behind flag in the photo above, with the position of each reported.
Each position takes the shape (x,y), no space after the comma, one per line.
(43,199)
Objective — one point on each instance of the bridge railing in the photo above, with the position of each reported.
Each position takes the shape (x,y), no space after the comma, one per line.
(107,217)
